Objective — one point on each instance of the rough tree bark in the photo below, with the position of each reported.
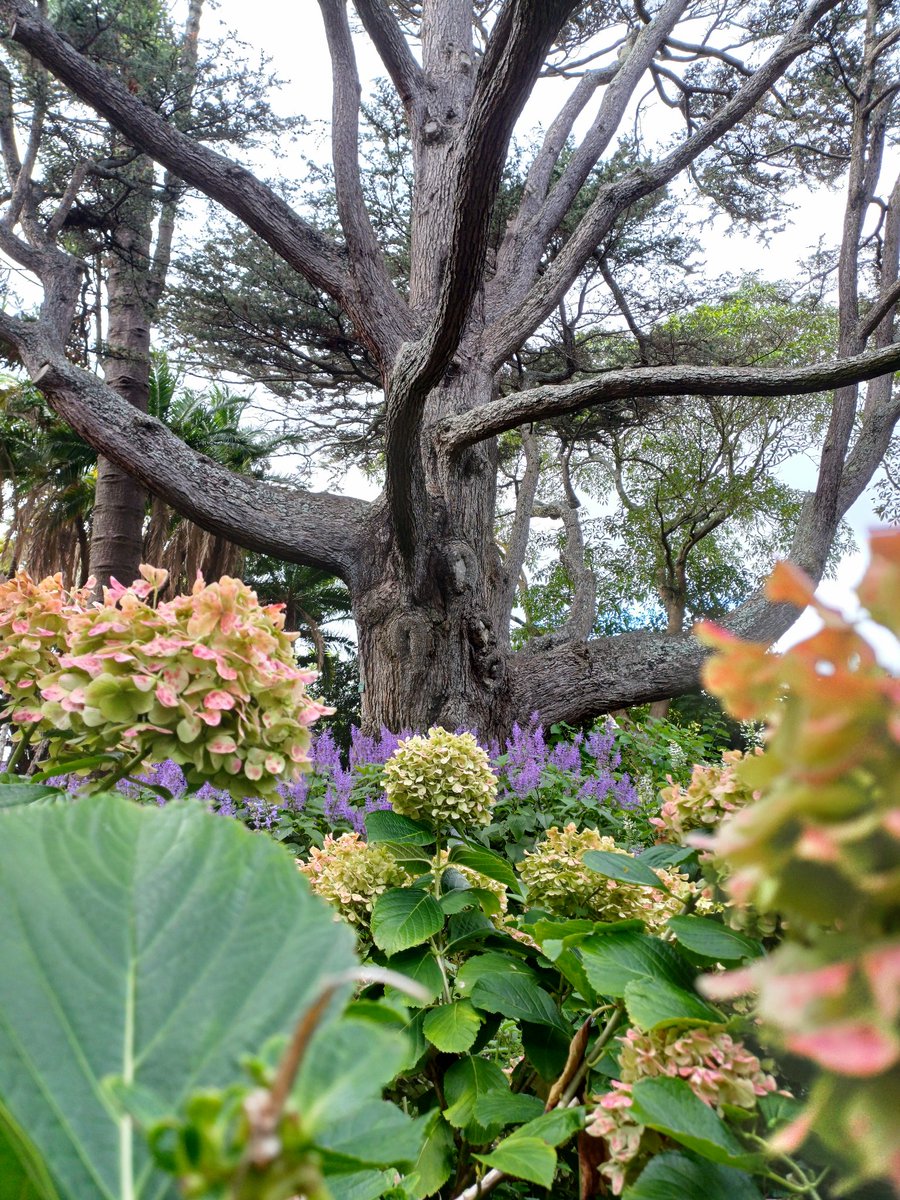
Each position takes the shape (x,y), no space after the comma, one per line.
(431,591)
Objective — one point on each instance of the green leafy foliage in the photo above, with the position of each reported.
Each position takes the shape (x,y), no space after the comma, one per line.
(155,945)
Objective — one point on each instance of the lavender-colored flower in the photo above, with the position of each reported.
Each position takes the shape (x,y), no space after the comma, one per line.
(526,756)
(596,788)
(216,800)
(626,794)
(600,743)
(566,756)
(377,803)
(294,793)
(325,754)
(262,815)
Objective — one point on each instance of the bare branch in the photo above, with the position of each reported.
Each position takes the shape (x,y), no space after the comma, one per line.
(316,528)
(388,39)
(519,41)
(517,544)
(635,385)
(366,261)
(612,200)
(315,256)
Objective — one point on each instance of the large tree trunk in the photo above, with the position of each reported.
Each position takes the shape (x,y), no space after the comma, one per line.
(429,638)
(120,503)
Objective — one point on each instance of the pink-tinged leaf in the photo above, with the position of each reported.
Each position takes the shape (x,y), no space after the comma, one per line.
(201,651)
(854,1048)
(26,716)
(728,985)
(212,718)
(166,696)
(155,576)
(20,626)
(891,822)
(219,700)
(143,683)
(789,1139)
(787,997)
(53,693)
(253,771)
(222,745)
(882,969)
(789,585)
(817,845)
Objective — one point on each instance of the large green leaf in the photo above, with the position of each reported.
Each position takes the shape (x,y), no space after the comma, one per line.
(157,945)
(454,1027)
(713,940)
(23,1173)
(670,1107)
(419,964)
(14,794)
(623,868)
(486,862)
(523,1158)
(386,826)
(656,1003)
(615,957)
(436,1160)
(464,1085)
(501,984)
(675,1174)
(405,917)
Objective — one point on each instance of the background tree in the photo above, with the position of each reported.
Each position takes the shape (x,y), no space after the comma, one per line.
(453,329)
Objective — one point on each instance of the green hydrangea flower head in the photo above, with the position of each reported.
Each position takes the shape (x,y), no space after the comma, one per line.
(443,779)
(351,874)
(558,881)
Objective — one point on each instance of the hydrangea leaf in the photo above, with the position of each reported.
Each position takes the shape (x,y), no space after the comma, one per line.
(486,862)
(13,794)
(655,1003)
(464,1084)
(436,1160)
(675,1174)
(615,957)
(419,964)
(670,1107)
(405,917)
(527,1158)
(454,1027)
(623,868)
(386,826)
(507,1108)
(154,944)
(711,939)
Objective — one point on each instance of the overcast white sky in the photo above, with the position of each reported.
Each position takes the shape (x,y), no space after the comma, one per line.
(291,35)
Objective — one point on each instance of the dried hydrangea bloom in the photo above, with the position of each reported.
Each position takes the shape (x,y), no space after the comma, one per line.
(443,779)
(208,679)
(33,623)
(351,874)
(718,1069)
(558,881)
(714,791)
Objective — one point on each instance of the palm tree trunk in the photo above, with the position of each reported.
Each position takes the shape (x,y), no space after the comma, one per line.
(118,521)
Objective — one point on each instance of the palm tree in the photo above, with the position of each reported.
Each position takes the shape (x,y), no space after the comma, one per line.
(47,477)
(209,422)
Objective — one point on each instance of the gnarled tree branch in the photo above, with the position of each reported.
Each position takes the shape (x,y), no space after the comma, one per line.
(315,528)
(636,385)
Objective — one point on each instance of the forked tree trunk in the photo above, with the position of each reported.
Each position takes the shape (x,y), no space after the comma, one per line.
(120,502)
(428,639)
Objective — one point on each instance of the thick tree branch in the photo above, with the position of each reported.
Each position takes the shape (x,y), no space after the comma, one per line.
(387,38)
(519,41)
(315,256)
(510,330)
(366,261)
(314,528)
(638,384)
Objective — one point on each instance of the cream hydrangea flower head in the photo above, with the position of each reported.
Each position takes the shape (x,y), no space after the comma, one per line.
(443,779)
(714,791)
(351,874)
(558,881)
